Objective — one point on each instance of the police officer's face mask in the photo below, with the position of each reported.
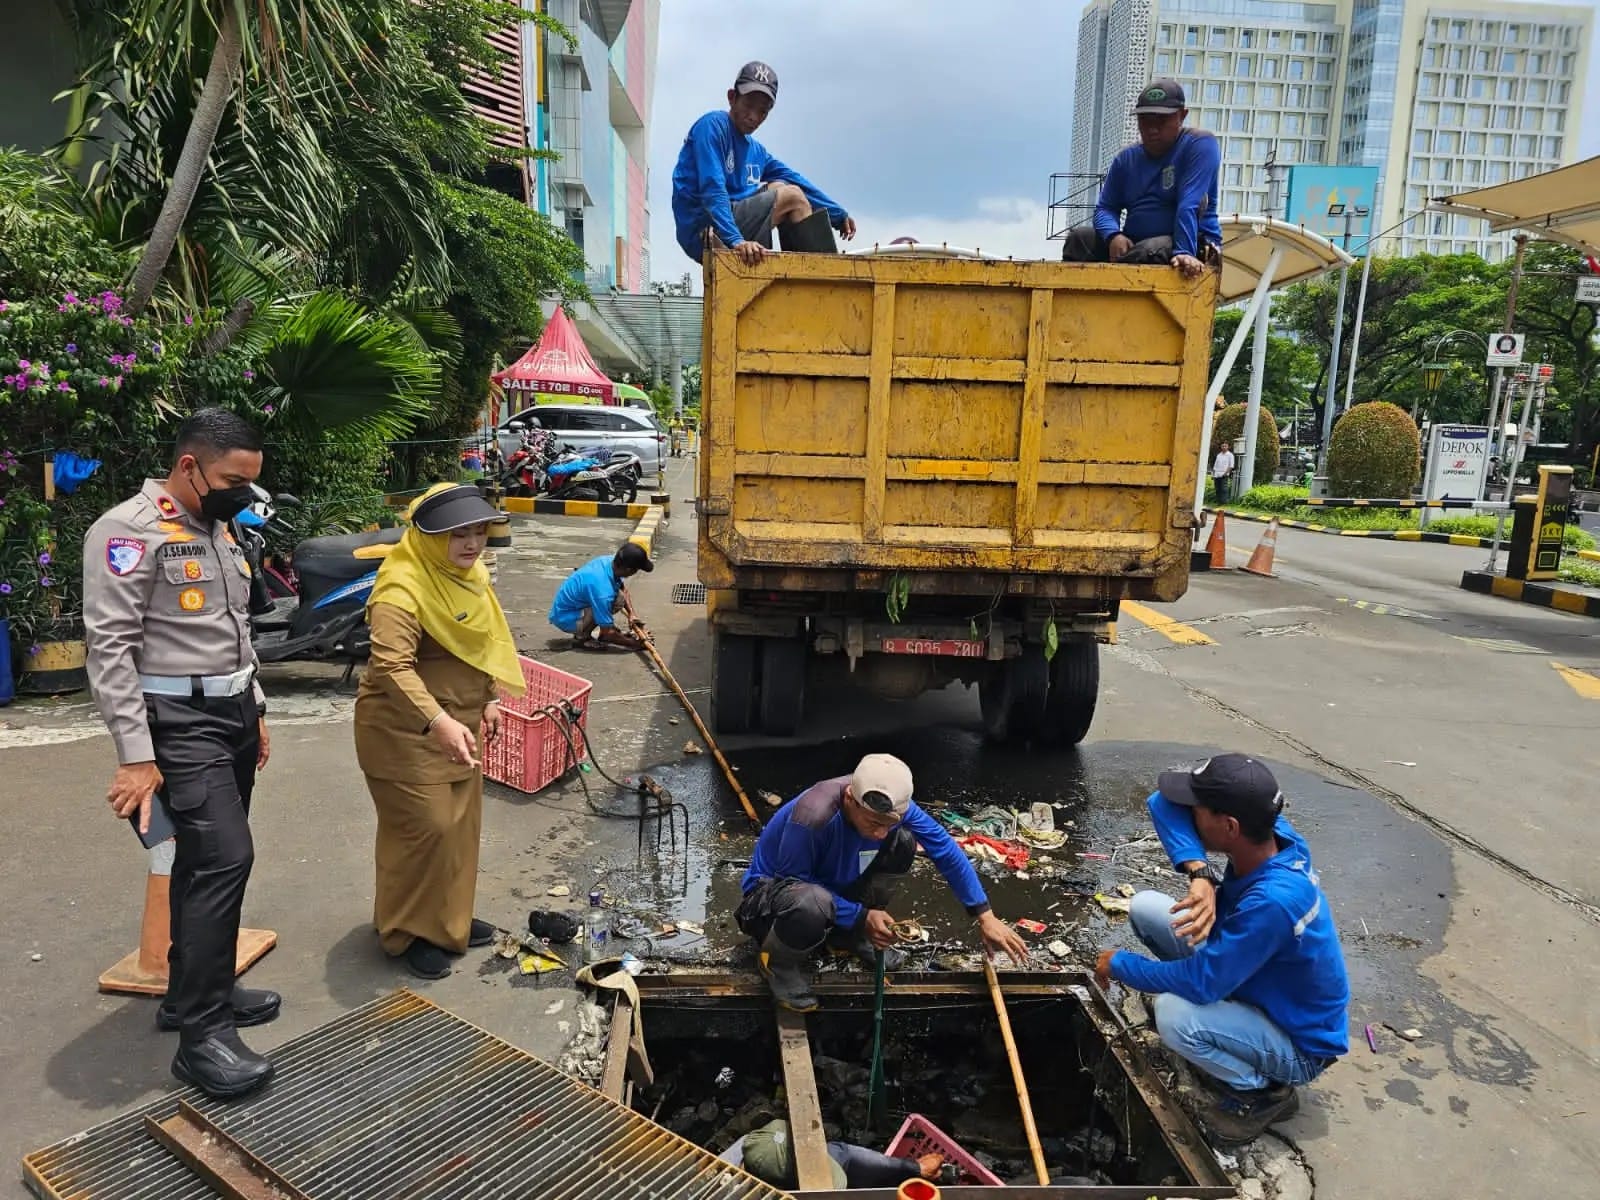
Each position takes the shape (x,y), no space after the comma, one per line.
(222,504)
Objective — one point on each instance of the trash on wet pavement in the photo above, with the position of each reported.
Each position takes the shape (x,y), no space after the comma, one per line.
(1060,949)
(558,890)
(1031,925)
(692,748)
(1113,904)
(557,928)
(771,799)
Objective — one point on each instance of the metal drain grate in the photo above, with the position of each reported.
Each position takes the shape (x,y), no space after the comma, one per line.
(688,593)
(401,1098)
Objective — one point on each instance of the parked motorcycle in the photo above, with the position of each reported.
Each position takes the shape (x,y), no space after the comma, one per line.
(540,466)
(324,620)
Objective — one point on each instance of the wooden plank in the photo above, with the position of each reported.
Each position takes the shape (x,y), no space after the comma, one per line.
(226,1166)
(615,1071)
(817,364)
(1103,374)
(813,1168)
(880,381)
(1032,417)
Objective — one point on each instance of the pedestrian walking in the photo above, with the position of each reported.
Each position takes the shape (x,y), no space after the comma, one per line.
(1222,473)
(1251,986)
(167,627)
(440,647)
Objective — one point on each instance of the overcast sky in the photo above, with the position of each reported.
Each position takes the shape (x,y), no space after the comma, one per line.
(925,118)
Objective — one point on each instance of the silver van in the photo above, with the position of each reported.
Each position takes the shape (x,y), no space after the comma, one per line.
(580,425)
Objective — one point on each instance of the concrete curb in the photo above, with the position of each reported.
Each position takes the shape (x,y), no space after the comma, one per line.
(645,531)
(1591,555)
(1542,594)
(575,508)
(1382,535)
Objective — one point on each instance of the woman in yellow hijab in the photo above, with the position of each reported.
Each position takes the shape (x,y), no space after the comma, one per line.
(440,649)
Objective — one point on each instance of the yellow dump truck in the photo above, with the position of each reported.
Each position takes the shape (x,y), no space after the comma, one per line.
(932,469)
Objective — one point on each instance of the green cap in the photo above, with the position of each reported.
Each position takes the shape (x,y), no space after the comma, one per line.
(769,1156)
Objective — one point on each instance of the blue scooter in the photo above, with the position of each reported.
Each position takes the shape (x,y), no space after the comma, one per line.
(326,621)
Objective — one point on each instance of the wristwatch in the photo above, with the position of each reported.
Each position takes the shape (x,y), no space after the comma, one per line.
(1201,873)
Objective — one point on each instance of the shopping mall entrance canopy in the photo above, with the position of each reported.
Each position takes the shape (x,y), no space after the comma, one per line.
(1559,206)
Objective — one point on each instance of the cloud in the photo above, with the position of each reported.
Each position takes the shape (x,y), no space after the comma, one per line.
(1005,226)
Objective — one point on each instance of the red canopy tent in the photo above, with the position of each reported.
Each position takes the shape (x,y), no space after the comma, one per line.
(559,365)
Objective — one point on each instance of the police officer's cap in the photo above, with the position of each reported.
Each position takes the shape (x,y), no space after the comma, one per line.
(456,508)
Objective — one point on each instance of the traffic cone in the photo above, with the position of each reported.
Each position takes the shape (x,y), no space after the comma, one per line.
(1261,557)
(1217,546)
(143,972)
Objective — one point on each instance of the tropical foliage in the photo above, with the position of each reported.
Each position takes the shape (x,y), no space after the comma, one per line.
(1229,426)
(1374,453)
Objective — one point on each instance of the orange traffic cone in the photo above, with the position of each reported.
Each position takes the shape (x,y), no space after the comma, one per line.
(1261,557)
(144,971)
(1217,545)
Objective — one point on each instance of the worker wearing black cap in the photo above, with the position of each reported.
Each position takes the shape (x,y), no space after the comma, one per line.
(1250,987)
(1158,203)
(587,604)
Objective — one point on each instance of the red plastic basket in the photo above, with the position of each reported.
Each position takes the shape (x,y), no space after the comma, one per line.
(919,1136)
(533,748)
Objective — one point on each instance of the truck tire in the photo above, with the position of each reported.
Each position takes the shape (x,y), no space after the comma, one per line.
(1014,697)
(733,682)
(1074,688)
(783,685)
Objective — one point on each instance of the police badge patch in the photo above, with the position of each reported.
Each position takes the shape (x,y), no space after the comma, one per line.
(123,555)
(1169,176)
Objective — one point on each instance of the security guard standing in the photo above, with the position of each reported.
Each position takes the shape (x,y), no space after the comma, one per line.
(172,669)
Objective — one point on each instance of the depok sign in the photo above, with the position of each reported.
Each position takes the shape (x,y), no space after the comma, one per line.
(1458,457)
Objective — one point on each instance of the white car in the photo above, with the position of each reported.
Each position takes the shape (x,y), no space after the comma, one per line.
(583,425)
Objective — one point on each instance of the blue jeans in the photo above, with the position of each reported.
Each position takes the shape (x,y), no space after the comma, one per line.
(1229,1040)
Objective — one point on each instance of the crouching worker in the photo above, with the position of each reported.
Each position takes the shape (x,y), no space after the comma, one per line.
(827,865)
(587,604)
(1251,986)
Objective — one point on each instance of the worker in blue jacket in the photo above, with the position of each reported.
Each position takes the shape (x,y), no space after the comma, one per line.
(728,189)
(1158,203)
(1250,987)
(586,604)
(828,863)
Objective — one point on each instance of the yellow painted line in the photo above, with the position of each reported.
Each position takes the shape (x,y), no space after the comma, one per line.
(1511,589)
(1176,631)
(1465,539)
(517,504)
(1585,684)
(1568,601)
(1591,555)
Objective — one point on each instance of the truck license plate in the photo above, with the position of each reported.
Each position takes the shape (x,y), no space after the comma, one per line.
(949,647)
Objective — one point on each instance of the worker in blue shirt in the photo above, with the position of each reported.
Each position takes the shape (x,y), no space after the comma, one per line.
(828,863)
(1250,987)
(729,190)
(1158,203)
(587,603)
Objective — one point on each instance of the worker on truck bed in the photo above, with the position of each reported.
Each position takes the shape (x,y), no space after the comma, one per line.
(828,863)
(1251,987)
(729,190)
(586,604)
(1159,200)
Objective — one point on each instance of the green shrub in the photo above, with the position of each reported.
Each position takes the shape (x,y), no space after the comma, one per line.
(1357,518)
(1274,498)
(1375,452)
(1574,538)
(1229,427)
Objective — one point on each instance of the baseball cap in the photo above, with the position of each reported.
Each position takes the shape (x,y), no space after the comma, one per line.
(1161,97)
(756,76)
(442,509)
(883,783)
(633,556)
(769,1156)
(1235,784)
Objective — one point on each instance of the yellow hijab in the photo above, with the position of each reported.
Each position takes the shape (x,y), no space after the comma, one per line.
(456,607)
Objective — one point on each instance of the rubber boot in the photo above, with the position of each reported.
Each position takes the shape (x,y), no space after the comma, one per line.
(788,974)
(811,236)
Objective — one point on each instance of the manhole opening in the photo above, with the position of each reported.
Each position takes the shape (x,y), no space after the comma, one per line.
(688,593)
(718,1075)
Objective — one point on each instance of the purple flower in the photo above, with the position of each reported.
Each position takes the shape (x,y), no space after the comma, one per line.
(71,297)
(127,320)
(72,348)
(44,581)
(249,375)
(23,364)
(4,306)
(155,348)
(127,359)
(104,382)
(268,409)
(44,559)
(63,386)
(10,379)
(5,589)
(187,320)
(34,649)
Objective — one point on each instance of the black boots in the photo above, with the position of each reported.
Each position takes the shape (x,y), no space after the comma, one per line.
(221,1066)
(811,236)
(788,974)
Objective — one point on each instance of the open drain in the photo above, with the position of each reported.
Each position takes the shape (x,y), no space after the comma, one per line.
(688,593)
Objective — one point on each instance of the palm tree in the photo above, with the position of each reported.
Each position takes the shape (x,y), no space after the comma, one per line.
(252,37)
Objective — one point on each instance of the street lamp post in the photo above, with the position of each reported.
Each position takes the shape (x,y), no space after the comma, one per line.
(1349,212)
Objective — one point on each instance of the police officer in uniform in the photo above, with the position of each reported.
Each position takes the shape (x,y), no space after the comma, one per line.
(173,672)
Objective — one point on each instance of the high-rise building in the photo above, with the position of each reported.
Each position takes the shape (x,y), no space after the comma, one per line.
(1440,98)
(591,106)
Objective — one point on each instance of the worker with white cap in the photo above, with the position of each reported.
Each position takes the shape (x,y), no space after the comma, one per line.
(828,863)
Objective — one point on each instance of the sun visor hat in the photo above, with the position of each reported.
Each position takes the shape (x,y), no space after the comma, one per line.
(456,508)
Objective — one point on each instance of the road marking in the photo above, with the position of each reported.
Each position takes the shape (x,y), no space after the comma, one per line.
(1387,610)
(1581,681)
(1499,645)
(1176,631)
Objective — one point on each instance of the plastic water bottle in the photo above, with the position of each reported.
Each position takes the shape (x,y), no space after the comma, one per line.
(597,929)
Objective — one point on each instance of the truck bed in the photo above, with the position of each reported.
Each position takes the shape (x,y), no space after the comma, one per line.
(875,415)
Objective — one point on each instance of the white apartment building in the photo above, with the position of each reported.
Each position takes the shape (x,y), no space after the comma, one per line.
(1440,98)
